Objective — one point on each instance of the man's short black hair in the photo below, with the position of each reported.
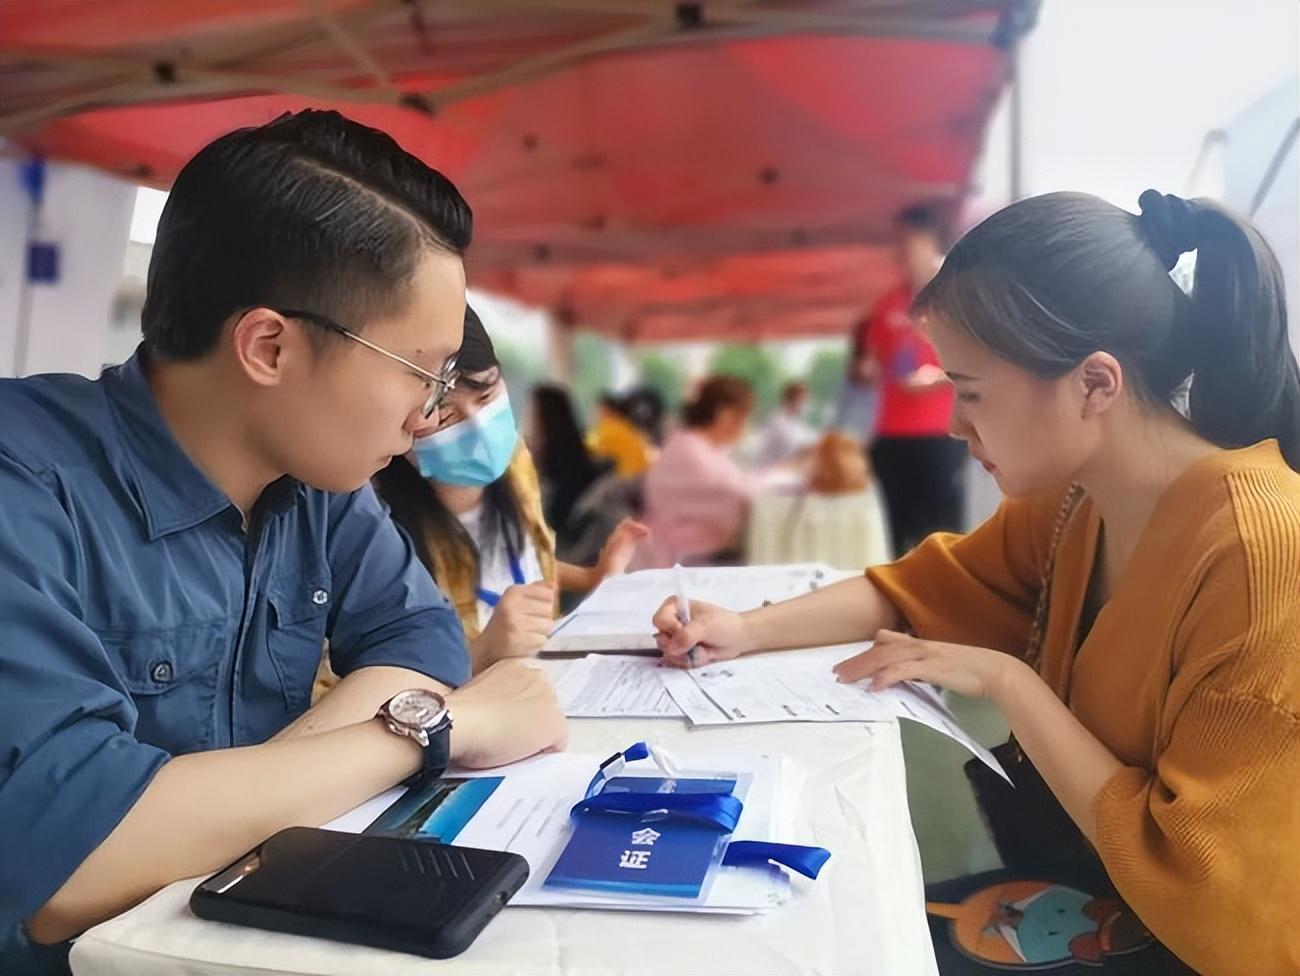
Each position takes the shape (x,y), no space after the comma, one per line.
(311,211)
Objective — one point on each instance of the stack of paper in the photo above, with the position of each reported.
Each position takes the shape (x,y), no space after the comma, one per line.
(616,616)
(611,686)
(786,686)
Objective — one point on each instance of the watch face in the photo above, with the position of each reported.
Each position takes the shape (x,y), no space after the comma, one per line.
(417,708)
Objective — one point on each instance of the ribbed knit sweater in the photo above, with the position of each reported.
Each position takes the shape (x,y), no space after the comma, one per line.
(1190,675)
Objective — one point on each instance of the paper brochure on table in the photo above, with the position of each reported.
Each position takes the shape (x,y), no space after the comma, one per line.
(616,616)
(788,686)
(611,686)
(524,808)
(798,686)
(921,703)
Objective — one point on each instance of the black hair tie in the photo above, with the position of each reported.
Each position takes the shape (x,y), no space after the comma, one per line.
(1169,224)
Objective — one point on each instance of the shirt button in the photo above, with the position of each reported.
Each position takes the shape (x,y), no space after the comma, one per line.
(320,598)
(162,672)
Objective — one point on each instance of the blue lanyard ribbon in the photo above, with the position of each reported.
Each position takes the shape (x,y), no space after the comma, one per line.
(715,808)
(491,597)
(808,861)
(718,811)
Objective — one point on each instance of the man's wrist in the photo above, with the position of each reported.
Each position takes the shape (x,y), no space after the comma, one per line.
(466,727)
(410,749)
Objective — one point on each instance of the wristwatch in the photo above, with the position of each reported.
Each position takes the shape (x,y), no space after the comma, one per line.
(421,715)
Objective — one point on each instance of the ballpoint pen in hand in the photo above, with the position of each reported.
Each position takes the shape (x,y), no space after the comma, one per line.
(684,609)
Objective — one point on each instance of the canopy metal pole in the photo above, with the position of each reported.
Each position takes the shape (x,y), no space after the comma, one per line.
(1274,167)
(1017,123)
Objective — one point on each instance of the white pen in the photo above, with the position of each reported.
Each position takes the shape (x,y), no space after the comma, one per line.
(683,608)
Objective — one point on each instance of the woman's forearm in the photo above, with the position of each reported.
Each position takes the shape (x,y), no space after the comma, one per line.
(852,610)
(1074,762)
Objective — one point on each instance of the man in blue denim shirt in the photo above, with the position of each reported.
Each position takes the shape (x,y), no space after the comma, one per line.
(179,538)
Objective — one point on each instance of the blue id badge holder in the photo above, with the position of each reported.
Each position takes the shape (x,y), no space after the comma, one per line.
(663,836)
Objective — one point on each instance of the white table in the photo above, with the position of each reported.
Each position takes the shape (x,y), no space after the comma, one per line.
(846,531)
(865,914)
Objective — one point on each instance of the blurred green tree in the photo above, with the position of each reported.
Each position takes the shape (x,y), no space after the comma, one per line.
(664,375)
(593,372)
(825,379)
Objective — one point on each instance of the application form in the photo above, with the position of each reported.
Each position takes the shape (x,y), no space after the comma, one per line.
(609,686)
(799,686)
(616,616)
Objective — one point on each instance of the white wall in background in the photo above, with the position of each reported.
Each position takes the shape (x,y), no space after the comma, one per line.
(87,214)
(1117,96)
(13,231)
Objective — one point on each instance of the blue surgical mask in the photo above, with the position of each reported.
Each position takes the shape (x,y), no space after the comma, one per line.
(473,452)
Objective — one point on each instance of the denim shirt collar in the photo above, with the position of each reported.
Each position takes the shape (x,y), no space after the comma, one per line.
(171,492)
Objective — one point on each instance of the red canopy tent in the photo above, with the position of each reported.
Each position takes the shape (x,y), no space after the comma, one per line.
(653,170)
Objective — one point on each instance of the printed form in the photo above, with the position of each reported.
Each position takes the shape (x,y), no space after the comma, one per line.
(786,686)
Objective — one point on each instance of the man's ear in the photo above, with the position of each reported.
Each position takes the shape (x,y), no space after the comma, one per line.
(258,338)
(1100,380)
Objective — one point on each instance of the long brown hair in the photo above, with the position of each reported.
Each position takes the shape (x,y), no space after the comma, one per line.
(417,509)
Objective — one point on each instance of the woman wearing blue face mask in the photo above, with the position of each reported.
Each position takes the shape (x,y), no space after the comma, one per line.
(468,496)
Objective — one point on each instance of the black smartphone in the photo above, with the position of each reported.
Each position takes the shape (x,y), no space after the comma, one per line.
(388,892)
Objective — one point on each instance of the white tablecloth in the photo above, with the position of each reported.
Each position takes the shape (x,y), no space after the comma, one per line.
(846,531)
(865,914)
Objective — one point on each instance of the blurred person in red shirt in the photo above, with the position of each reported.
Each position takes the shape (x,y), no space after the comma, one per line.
(920,468)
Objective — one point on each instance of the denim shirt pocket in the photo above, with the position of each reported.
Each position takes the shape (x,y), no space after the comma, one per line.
(298,606)
(172,677)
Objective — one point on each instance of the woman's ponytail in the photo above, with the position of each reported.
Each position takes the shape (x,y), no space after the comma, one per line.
(1245,382)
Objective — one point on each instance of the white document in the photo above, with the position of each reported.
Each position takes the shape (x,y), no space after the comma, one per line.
(921,703)
(528,814)
(617,614)
(607,686)
(603,631)
(798,686)
(788,686)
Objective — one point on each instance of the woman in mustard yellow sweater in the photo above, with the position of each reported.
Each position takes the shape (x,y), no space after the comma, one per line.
(1134,606)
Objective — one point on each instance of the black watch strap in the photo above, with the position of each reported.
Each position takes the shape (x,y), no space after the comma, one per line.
(437,755)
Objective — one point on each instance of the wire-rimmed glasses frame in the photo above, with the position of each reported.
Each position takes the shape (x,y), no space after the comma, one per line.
(439,384)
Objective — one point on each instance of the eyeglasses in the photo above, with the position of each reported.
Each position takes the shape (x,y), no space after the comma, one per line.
(439,384)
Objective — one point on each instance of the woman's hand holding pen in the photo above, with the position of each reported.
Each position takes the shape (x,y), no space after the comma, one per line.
(714,634)
(520,625)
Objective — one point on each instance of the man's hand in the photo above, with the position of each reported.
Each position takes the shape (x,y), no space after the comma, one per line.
(924,378)
(507,713)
